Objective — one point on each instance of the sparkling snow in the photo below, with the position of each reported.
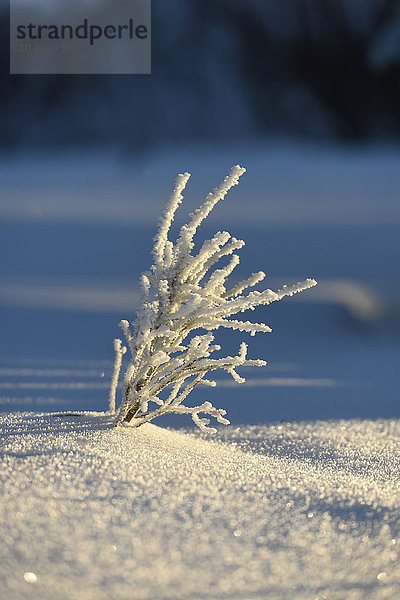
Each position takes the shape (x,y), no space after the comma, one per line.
(301,511)
(288,511)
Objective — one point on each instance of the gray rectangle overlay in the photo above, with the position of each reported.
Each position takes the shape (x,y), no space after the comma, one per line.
(86,37)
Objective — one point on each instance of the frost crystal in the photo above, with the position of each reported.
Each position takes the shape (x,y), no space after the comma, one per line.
(180,294)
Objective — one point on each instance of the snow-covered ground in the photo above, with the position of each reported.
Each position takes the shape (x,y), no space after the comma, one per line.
(302,502)
(293,511)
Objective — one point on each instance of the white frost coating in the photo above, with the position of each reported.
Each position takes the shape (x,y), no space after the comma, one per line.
(162,248)
(178,298)
(119,352)
(246,283)
(187,232)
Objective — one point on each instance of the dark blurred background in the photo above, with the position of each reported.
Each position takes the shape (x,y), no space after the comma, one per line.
(226,69)
(306,95)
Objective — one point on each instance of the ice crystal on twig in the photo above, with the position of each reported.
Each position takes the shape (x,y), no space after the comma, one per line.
(119,352)
(180,294)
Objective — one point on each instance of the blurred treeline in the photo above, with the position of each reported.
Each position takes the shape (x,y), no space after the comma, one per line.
(222,70)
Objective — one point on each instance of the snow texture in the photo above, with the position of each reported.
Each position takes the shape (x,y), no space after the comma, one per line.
(179,296)
(287,511)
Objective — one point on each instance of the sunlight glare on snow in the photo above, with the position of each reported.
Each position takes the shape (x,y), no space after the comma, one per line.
(294,510)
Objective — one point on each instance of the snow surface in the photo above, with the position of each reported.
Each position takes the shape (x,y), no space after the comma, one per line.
(273,511)
(288,511)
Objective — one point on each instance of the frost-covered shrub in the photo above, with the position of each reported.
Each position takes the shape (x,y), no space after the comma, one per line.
(183,293)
